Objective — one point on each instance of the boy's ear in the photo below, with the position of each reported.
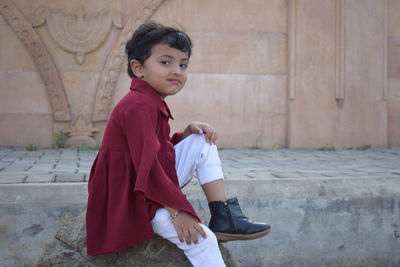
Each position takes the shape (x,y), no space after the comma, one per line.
(136,67)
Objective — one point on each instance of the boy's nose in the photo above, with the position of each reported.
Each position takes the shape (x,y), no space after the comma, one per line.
(177,70)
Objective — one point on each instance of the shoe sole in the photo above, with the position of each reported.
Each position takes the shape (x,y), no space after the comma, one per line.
(224,237)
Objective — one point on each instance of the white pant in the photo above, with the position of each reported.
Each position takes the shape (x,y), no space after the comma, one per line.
(193,154)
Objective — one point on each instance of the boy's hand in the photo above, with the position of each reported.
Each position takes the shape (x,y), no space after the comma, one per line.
(187,228)
(201,128)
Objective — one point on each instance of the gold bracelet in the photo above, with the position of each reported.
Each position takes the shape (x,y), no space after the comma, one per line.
(173,216)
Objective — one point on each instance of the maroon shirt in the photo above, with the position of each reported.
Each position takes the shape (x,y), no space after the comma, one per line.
(133,174)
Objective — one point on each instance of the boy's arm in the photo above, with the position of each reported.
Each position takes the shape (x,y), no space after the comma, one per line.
(151,179)
(176,138)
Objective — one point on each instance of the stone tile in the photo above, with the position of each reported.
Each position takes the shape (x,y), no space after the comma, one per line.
(287,175)
(238,16)
(394,18)
(12,48)
(16,168)
(4,164)
(31,128)
(86,164)
(261,176)
(12,178)
(246,53)
(39,178)
(41,170)
(394,58)
(56,171)
(22,99)
(257,98)
(25,161)
(84,171)
(69,177)
(81,89)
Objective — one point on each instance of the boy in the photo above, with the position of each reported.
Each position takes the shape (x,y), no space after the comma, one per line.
(136,180)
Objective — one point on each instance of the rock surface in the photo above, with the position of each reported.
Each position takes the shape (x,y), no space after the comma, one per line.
(68,248)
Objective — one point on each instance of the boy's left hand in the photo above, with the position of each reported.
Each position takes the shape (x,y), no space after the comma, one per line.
(201,128)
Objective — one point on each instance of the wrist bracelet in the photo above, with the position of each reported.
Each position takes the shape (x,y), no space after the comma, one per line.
(173,216)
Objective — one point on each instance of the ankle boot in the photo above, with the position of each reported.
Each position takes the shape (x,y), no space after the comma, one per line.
(228,222)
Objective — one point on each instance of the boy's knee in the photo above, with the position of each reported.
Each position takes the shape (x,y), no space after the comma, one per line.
(197,138)
(211,238)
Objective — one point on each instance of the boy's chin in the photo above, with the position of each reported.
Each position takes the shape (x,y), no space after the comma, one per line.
(175,92)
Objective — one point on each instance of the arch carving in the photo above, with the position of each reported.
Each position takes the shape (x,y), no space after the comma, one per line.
(116,58)
(80,30)
(47,69)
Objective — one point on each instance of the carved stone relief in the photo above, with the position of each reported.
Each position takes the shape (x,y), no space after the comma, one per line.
(81,133)
(78,30)
(116,58)
(47,69)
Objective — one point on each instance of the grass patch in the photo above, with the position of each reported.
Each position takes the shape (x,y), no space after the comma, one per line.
(88,148)
(59,138)
(31,147)
(363,147)
(327,148)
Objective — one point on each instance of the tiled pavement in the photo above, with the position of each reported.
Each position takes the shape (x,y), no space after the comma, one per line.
(17,165)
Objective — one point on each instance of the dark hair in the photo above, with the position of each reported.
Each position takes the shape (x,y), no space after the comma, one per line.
(150,34)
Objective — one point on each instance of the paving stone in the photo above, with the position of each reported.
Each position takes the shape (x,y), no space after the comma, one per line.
(16,168)
(39,178)
(287,175)
(12,178)
(236,163)
(64,171)
(25,161)
(40,170)
(9,159)
(69,177)
(260,176)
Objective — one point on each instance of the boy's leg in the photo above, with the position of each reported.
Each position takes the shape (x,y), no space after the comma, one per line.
(205,253)
(215,190)
(227,221)
(194,155)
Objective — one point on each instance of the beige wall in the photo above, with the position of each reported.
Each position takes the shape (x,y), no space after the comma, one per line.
(393,93)
(300,73)
(25,112)
(339,80)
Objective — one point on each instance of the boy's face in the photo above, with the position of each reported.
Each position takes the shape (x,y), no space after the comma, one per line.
(165,70)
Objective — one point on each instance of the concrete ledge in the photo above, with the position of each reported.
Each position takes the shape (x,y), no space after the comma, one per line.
(315,221)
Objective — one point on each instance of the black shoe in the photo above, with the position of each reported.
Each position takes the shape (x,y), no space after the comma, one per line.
(228,222)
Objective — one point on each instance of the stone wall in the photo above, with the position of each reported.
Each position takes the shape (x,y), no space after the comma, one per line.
(299,73)
(315,222)
(393,83)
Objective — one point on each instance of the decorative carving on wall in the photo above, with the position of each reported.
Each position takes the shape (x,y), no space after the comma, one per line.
(81,133)
(79,31)
(47,69)
(116,58)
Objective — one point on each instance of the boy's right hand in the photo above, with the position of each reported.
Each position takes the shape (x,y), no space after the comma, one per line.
(187,228)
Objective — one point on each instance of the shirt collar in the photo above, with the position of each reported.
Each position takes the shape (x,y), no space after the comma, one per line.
(145,88)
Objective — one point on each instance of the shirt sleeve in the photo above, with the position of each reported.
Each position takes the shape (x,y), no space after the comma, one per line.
(176,138)
(151,179)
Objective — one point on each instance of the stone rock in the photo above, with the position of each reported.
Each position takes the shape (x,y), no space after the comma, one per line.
(68,248)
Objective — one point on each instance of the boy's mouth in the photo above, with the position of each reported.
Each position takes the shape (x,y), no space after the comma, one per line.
(176,81)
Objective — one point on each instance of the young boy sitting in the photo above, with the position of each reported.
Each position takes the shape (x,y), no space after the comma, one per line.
(135,182)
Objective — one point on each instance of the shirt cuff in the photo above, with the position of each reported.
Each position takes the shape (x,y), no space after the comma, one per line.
(176,138)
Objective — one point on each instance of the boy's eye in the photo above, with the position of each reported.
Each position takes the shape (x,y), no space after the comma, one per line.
(184,66)
(165,62)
